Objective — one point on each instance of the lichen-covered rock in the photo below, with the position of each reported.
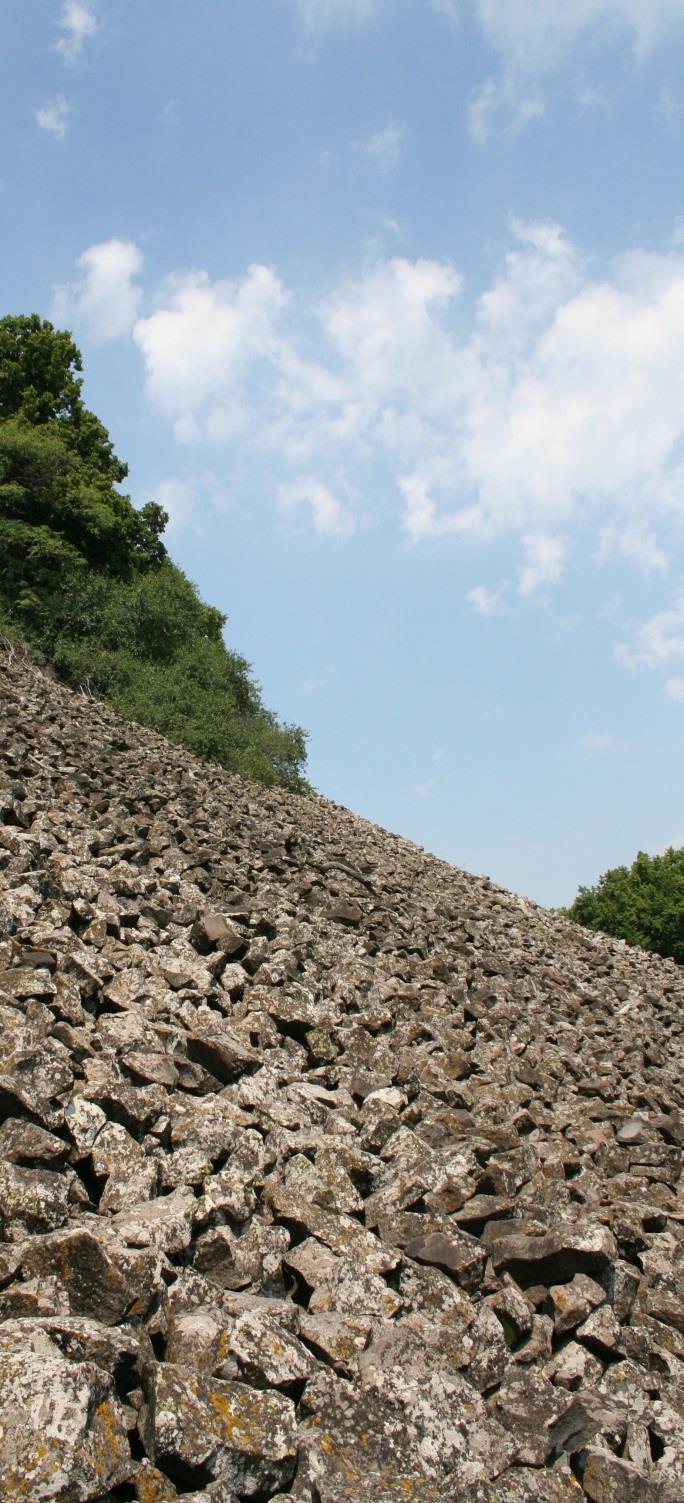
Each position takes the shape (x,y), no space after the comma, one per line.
(401,1436)
(201,1429)
(62,1433)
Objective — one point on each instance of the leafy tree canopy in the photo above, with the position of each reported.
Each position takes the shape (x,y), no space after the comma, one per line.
(86,579)
(643,903)
(39,382)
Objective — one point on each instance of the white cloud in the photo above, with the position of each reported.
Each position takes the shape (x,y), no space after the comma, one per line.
(501,104)
(485,601)
(656,641)
(543,565)
(330,517)
(106,298)
(169,115)
(422,790)
(591,95)
(635,542)
(179,500)
(200,344)
(312,685)
(55,117)
(611,607)
(553,402)
(534,37)
(667,107)
(675,688)
(320,15)
(78,25)
(383,148)
(597,741)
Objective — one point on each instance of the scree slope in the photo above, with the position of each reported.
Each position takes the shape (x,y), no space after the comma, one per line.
(328,1172)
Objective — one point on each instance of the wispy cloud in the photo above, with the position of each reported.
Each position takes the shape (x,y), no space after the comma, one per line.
(78,25)
(611,607)
(544,560)
(657,641)
(168,115)
(674,688)
(321,15)
(667,107)
(55,117)
(383,149)
(597,741)
(485,601)
(330,517)
(311,684)
(636,542)
(502,104)
(533,38)
(179,500)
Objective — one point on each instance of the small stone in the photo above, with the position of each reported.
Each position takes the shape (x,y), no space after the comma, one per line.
(574,1301)
(459,1255)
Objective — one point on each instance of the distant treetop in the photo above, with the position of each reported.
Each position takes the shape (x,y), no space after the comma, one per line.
(643,903)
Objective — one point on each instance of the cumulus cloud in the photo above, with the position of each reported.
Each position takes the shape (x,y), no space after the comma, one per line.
(552,401)
(78,25)
(383,149)
(55,117)
(106,298)
(201,341)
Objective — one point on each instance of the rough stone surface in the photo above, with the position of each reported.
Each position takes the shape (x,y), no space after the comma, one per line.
(327,1171)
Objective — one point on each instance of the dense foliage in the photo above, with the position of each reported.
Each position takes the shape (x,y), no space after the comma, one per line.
(643,903)
(86,580)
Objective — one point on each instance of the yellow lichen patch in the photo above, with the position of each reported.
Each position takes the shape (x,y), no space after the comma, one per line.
(153,1487)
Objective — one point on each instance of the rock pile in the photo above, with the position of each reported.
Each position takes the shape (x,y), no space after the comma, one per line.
(328,1172)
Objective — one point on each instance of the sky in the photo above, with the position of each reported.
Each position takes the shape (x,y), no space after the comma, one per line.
(383,300)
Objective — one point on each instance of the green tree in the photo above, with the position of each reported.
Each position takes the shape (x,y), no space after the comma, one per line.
(643,904)
(39,381)
(45,483)
(86,579)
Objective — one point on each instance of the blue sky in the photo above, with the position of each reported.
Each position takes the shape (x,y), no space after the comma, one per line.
(384,301)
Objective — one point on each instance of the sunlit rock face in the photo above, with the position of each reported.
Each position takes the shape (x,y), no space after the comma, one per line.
(327,1171)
